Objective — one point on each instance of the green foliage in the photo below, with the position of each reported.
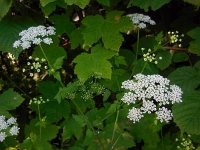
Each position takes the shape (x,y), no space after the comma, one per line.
(194,45)
(5,6)
(9,100)
(165,61)
(153,4)
(97,64)
(194,2)
(186,114)
(108,29)
(81,3)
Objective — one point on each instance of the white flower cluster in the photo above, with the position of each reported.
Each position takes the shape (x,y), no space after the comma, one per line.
(152,93)
(149,56)
(175,38)
(141,20)
(38,101)
(8,127)
(34,35)
(35,65)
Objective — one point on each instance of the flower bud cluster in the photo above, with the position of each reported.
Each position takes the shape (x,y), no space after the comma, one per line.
(35,65)
(35,35)
(8,127)
(185,143)
(149,56)
(175,38)
(140,20)
(152,93)
(38,101)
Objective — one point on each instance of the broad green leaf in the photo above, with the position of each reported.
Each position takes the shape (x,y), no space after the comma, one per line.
(53,52)
(93,29)
(64,26)
(72,128)
(180,57)
(9,32)
(81,3)
(95,63)
(9,100)
(109,29)
(104,2)
(194,2)
(48,89)
(76,38)
(165,61)
(5,6)
(187,114)
(186,77)
(153,4)
(45,2)
(195,44)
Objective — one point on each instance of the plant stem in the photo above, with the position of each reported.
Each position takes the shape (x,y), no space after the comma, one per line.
(39,115)
(115,125)
(138,41)
(145,64)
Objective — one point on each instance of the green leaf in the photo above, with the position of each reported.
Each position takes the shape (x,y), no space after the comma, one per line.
(104,2)
(96,62)
(5,6)
(45,2)
(9,31)
(187,114)
(194,2)
(195,44)
(71,128)
(9,100)
(76,38)
(180,57)
(54,54)
(81,3)
(153,4)
(186,77)
(165,61)
(96,27)
(64,26)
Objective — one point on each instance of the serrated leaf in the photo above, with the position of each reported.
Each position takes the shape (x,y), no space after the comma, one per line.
(187,113)
(76,38)
(81,3)
(195,44)
(9,31)
(5,6)
(186,77)
(153,4)
(9,100)
(96,27)
(64,26)
(165,61)
(194,2)
(96,62)
(45,2)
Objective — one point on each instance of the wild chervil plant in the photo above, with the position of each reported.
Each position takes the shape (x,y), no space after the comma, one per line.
(96,74)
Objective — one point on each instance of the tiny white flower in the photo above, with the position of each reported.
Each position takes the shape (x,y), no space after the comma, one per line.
(14,130)
(164,114)
(11,121)
(2,136)
(135,115)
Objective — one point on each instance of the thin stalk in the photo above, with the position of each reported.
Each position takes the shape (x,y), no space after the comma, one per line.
(39,115)
(138,41)
(145,64)
(116,141)
(115,124)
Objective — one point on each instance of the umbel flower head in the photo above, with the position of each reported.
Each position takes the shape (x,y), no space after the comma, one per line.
(153,93)
(8,127)
(140,20)
(35,35)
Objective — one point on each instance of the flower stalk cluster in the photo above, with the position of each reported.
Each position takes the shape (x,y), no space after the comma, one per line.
(8,127)
(140,20)
(175,38)
(38,101)
(35,35)
(149,56)
(35,65)
(152,93)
